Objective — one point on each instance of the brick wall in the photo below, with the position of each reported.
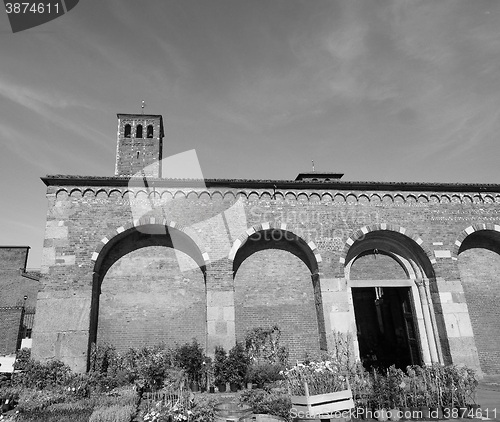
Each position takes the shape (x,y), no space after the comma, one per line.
(275,287)
(377,267)
(10,320)
(82,220)
(146,299)
(480,274)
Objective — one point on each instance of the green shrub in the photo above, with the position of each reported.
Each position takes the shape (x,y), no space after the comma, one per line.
(272,403)
(23,356)
(237,363)
(116,413)
(220,365)
(41,375)
(190,358)
(264,372)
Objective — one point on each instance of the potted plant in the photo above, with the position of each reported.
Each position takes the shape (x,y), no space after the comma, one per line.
(190,357)
(319,388)
(237,366)
(220,368)
(380,393)
(394,391)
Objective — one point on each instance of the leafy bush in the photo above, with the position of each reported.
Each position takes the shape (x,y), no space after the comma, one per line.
(263,372)
(41,375)
(237,364)
(220,365)
(271,403)
(190,358)
(263,345)
(23,357)
(116,413)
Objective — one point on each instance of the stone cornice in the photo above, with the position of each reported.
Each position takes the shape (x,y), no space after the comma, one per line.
(123,181)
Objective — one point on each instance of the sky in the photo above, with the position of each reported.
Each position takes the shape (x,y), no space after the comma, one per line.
(379,90)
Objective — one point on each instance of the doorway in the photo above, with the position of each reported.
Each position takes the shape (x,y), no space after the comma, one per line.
(386,327)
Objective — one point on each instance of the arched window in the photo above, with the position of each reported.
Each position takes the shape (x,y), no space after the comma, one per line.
(150,131)
(127,131)
(138,131)
(137,154)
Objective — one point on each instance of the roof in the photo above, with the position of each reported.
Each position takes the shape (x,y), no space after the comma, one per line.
(320,175)
(335,184)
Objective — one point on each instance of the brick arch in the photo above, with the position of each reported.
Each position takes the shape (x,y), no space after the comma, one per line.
(163,226)
(470,230)
(297,245)
(103,259)
(240,241)
(59,191)
(363,231)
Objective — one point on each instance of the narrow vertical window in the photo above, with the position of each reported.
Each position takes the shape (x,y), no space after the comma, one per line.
(150,131)
(127,131)
(137,154)
(138,131)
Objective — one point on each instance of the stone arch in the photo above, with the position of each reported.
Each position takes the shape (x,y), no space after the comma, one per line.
(283,227)
(486,240)
(229,196)
(75,192)
(477,253)
(423,198)
(338,198)
(363,231)
(278,236)
(61,192)
(327,197)
(303,197)
(315,197)
(407,250)
(115,192)
(131,237)
(217,195)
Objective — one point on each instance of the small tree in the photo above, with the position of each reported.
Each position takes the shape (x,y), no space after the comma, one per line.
(190,358)
(220,365)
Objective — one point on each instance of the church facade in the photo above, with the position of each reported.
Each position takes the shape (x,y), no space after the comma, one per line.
(406,271)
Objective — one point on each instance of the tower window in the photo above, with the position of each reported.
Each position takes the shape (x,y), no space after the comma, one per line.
(137,154)
(127,131)
(150,131)
(138,131)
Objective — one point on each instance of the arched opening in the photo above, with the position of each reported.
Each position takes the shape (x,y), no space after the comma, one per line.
(389,308)
(127,131)
(149,288)
(138,131)
(273,284)
(150,131)
(479,266)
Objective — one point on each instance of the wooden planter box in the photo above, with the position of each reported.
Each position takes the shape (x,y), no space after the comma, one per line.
(322,404)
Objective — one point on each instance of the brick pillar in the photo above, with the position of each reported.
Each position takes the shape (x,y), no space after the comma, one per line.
(221,328)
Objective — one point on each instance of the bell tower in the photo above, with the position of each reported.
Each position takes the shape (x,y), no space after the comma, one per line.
(139,145)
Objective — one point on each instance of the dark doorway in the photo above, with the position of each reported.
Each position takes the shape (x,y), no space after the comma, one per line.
(386,327)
